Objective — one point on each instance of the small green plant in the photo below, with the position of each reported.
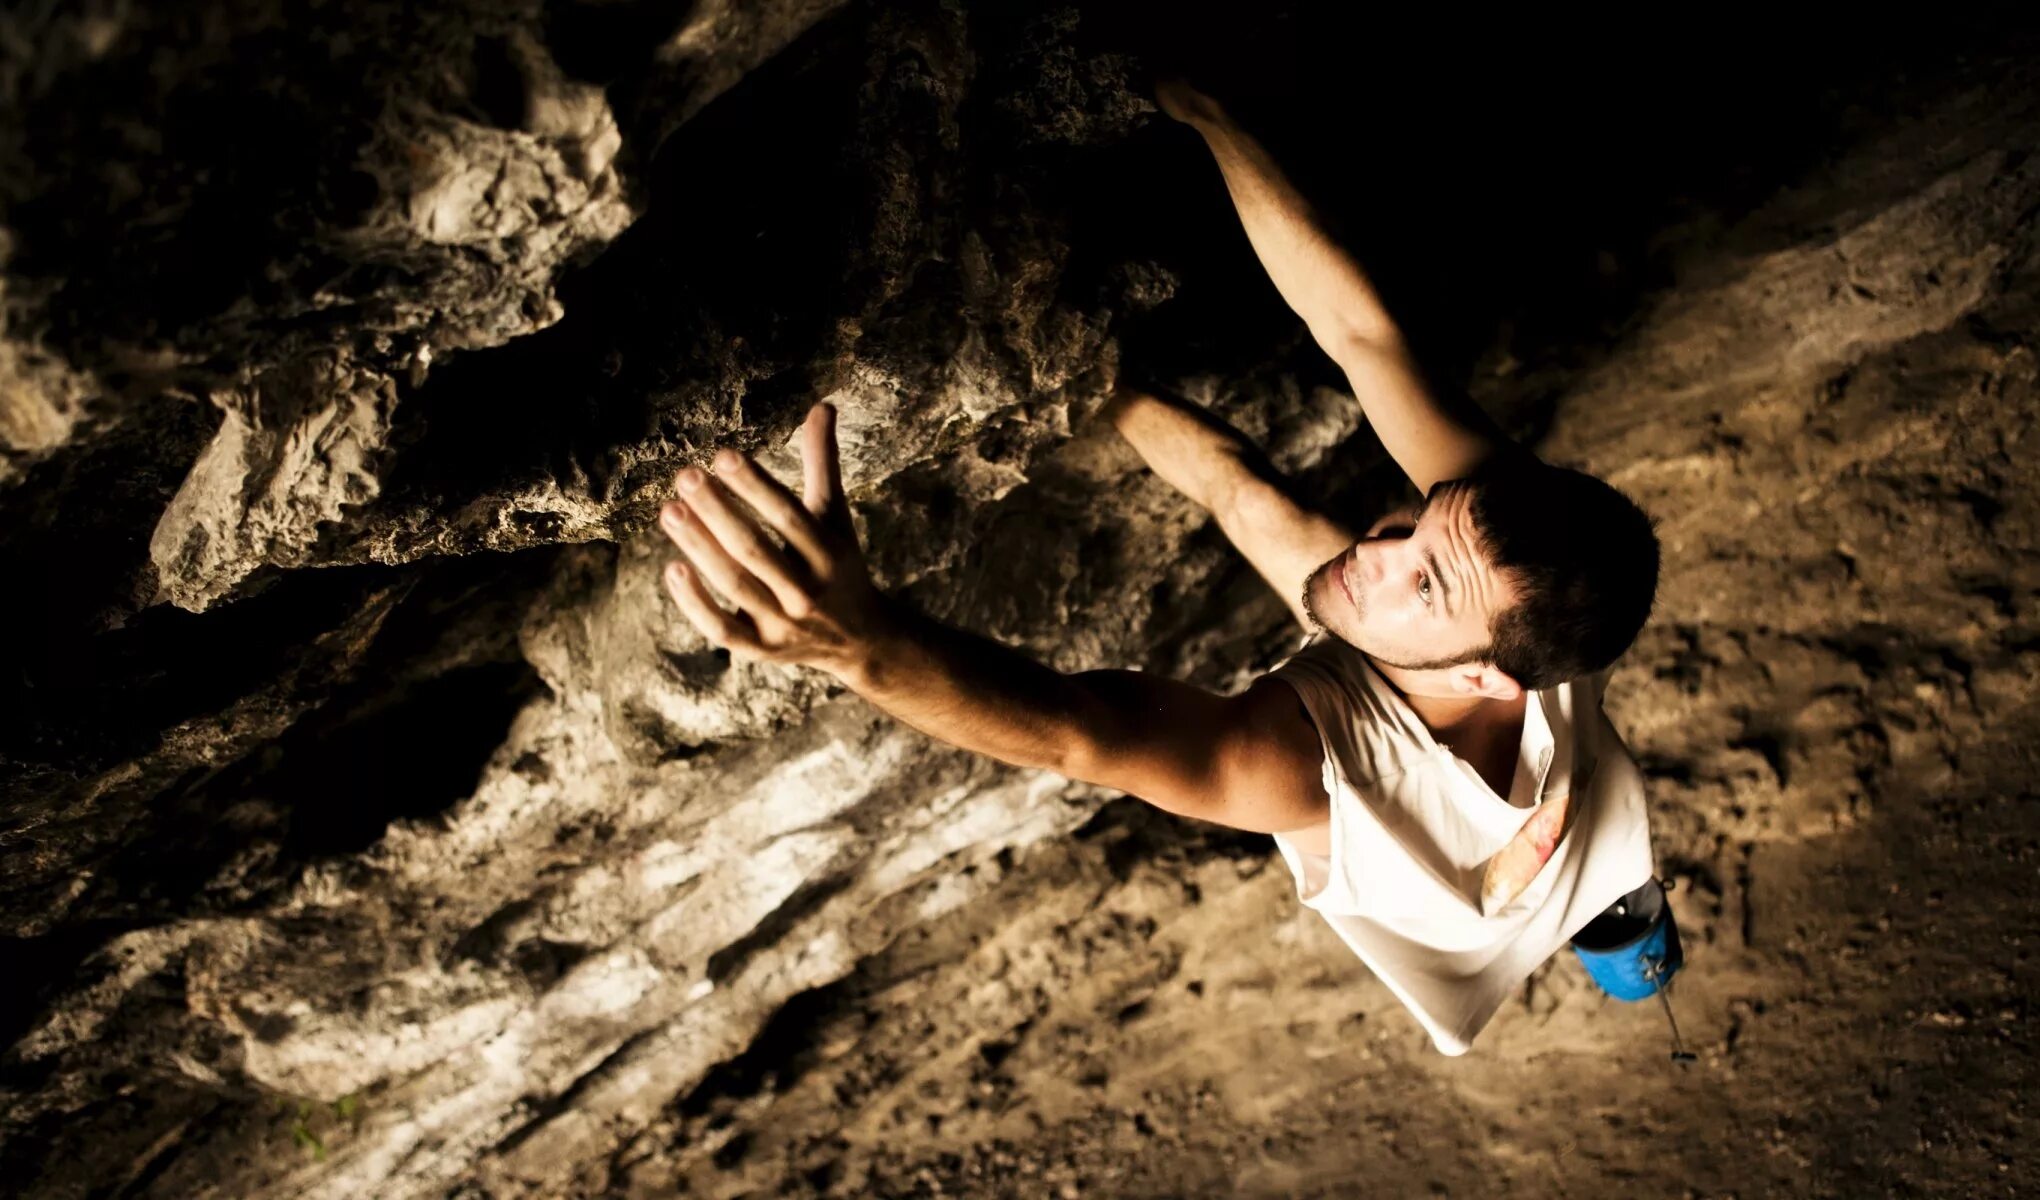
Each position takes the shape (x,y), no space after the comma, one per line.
(304,1115)
(301,1132)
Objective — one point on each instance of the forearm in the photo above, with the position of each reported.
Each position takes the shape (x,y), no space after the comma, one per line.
(1315,275)
(1193,451)
(974,693)
(1168,743)
(1429,436)
(1217,467)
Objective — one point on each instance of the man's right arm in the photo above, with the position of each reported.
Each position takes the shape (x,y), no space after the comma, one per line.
(1430,438)
(1250,761)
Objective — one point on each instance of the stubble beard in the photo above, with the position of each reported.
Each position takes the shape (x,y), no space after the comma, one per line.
(1310,609)
(1317,622)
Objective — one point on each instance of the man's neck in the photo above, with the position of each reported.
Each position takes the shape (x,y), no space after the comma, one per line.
(1443,711)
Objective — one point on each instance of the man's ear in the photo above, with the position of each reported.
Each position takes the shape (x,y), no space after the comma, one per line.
(1485,679)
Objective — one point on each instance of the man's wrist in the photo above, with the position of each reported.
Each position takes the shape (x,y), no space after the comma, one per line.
(1208,117)
(860,663)
(1184,103)
(1122,409)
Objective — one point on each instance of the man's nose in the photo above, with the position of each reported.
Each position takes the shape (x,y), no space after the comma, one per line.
(1372,566)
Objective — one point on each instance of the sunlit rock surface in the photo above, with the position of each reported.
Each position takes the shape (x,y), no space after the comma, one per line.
(372,827)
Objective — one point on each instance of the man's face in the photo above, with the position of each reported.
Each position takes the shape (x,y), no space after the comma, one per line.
(1415,592)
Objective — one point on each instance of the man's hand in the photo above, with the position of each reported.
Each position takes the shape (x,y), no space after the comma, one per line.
(810,601)
(1181,102)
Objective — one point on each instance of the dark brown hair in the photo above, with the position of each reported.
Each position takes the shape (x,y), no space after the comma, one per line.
(1583,560)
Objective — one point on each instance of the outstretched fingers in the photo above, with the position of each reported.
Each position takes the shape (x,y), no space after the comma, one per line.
(737,536)
(822,470)
(732,631)
(705,549)
(781,509)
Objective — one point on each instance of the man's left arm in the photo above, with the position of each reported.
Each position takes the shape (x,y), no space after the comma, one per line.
(1431,437)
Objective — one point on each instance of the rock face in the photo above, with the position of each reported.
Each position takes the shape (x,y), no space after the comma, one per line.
(373,827)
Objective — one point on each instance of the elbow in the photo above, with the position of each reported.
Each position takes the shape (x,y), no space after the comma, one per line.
(1353,343)
(1238,471)
(1084,753)
(1082,745)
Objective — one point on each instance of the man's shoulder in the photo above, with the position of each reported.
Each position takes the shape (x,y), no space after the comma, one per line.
(1576,701)
(1320,655)
(1278,716)
(1360,730)
(1596,739)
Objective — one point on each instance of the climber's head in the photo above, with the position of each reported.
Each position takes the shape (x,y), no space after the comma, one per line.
(1521,574)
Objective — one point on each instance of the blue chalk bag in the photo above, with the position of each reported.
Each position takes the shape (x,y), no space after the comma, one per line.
(1634,946)
(1632,951)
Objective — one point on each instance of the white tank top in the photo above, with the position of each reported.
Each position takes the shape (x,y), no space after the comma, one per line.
(1413,825)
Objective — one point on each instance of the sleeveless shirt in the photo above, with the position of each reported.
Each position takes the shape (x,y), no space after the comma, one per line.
(1413,825)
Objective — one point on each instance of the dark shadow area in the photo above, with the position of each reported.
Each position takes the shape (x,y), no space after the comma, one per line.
(397,729)
(724,285)
(78,701)
(725,963)
(73,542)
(36,966)
(405,734)
(1526,178)
(83,701)
(600,42)
(780,1054)
(245,181)
(400,759)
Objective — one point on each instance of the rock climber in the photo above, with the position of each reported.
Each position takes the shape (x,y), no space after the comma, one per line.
(1433,762)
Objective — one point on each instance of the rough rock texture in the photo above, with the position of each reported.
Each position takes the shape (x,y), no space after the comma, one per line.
(372,827)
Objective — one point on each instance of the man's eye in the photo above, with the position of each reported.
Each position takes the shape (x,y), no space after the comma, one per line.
(1424,588)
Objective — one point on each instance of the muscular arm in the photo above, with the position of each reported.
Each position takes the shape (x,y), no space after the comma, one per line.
(1429,438)
(1222,472)
(1249,761)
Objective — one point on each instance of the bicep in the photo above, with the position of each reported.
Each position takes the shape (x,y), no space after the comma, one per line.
(1251,761)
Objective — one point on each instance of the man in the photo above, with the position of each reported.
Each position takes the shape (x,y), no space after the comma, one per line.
(1433,762)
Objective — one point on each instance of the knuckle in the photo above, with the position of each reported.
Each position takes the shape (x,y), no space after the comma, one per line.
(798,606)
